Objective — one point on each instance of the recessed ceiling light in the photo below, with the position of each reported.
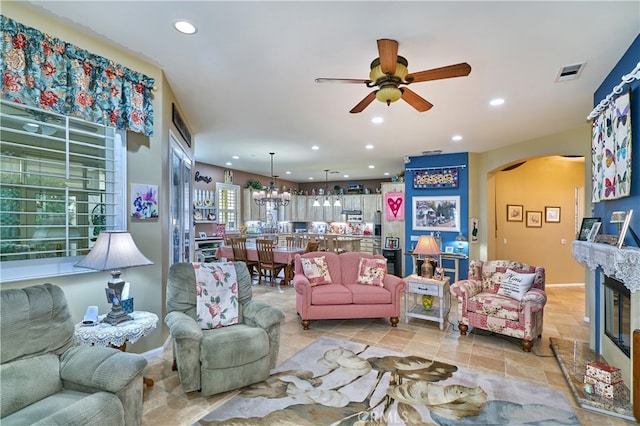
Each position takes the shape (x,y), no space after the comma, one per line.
(371,166)
(386,173)
(496,102)
(185,27)
(310,177)
(369,146)
(287,172)
(377,120)
(228,163)
(456,138)
(346,176)
(315,147)
(235,157)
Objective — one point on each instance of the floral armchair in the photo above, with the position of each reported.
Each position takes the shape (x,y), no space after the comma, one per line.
(481,304)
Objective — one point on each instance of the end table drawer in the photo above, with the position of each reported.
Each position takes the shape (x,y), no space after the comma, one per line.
(423,288)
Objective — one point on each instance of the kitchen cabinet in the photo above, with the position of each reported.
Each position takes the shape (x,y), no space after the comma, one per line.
(250,210)
(285,213)
(352,202)
(370,204)
(314,214)
(299,208)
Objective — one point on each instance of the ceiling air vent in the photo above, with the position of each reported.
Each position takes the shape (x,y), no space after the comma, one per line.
(570,72)
(432,152)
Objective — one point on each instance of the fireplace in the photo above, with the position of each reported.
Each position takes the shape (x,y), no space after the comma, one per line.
(617,314)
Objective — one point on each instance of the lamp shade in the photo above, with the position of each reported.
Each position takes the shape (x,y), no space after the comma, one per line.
(618,216)
(114,250)
(427,246)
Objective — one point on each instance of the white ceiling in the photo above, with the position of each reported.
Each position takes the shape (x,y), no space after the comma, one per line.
(245,80)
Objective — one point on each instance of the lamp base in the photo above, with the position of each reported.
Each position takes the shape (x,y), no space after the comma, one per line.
(427,270)
(116,316)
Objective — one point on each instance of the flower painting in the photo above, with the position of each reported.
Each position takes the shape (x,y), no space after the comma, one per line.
(144,201)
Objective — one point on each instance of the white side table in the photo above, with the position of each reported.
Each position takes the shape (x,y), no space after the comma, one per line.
(117,336)
(437,289)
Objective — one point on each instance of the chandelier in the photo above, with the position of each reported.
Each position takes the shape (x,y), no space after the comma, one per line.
(269,194)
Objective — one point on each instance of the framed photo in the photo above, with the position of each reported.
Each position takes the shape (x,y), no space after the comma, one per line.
(436,213)
(552,214)
(392,243)
(534,219)
(593,232)
(625,228)
(448,249)
(144,201)
(514,213)
(587,223)
(202,234)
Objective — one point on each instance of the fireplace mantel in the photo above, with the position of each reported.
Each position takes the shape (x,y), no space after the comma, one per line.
(623,264)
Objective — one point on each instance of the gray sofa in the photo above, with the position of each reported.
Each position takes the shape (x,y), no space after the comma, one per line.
(220,359)
(46,380)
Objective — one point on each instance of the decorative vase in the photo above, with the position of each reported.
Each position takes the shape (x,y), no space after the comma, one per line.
(427,302)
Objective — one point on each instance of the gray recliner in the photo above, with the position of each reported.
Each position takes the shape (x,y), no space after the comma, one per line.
(220,359)
(46,380)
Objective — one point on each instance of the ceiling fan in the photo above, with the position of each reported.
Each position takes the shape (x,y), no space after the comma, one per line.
(389,71)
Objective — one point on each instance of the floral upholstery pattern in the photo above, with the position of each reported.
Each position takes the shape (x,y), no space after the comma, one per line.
(480,305)
(371,271)
(316,270)
(216,294)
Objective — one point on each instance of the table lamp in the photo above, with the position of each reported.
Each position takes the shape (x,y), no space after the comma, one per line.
(427,246)
(113,251)
(618,218)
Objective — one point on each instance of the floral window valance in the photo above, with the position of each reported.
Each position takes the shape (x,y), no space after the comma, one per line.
(48,73)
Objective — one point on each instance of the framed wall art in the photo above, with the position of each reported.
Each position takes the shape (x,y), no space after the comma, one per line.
(144,201)
(534,219)
(436,213)
(514,213)
(593,232)
(552,214)
(587,223)
(391,243)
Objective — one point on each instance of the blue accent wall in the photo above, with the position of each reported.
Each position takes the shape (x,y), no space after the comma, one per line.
(604,209)
(448,238)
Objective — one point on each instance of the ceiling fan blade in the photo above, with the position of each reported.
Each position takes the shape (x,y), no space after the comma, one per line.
(342,80)
(415,100)
(458,70)
(388,52)
(364,103)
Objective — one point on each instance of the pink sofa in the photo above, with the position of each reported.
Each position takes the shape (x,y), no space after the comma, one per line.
(480,305)
(344,298)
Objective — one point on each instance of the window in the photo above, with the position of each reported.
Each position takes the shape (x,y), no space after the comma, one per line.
(228,203)
(62,181)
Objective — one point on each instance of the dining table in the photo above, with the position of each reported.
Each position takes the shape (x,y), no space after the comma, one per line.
(281,254)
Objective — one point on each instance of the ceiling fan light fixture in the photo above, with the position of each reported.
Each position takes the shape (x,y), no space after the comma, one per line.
(401,71)
(388,94)
(30,127)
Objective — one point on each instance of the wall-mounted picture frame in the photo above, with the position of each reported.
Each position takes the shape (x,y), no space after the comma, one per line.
(593,232)
(436,213)
(202,234)
(625,228)
(448,249)
(552,214)
(587,223)
(514,213)
(534,219)
(144,201)
(391,243)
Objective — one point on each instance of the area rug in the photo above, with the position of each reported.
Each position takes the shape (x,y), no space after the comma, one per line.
(336,382)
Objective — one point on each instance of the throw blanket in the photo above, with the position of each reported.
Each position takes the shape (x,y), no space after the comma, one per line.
(216,294)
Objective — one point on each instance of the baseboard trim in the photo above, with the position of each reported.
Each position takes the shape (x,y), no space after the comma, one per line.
(565,285)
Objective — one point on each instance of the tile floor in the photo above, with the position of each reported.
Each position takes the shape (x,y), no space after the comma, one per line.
(166,403)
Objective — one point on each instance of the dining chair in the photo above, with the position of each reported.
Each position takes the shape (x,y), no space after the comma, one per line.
(266,261)
(293,242)
(331,242)
(312,246)
(239,246)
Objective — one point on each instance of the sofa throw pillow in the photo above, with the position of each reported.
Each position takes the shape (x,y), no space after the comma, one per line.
(316,270)
(515,284)
(371,271)
(216,294)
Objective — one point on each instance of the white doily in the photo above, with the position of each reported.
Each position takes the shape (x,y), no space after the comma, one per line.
(623,264)
(104,334)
